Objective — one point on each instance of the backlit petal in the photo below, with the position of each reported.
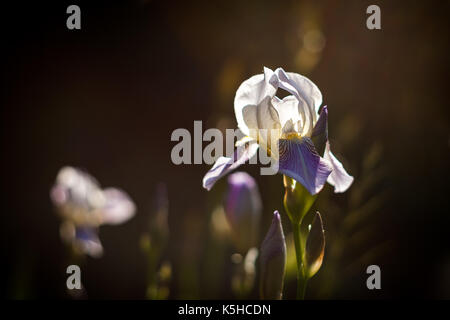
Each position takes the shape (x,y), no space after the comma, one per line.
(225,165)
(339,178)
(306,92)
(249,96)
(287,109)
(305,87)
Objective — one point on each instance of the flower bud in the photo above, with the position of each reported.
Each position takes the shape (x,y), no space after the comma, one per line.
(273,261)
(315,247)
(297,200)
(243,210)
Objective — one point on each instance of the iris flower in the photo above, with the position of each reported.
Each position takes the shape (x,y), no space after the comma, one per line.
(84,206)
(291,130)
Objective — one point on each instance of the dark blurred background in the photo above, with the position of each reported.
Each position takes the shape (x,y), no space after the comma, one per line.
(106,98)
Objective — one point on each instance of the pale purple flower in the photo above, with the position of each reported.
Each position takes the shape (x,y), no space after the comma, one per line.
(301,147)
(84,206)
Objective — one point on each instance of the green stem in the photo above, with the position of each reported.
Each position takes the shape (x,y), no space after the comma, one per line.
(301,278)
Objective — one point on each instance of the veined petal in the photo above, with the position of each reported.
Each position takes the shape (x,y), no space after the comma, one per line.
(339,178)
(249,96)
(225,165)
(319,135)
(118,206)
(299,160)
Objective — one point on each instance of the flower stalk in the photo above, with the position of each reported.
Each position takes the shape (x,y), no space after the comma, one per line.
(154,243)
(302,280)
(297,202)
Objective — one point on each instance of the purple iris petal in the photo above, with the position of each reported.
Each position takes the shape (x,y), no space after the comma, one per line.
(319,135)
(225,165)
(300,161)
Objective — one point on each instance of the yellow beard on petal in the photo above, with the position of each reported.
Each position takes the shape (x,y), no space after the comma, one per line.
(291,136)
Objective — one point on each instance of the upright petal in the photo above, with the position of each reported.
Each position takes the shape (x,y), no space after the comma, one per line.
(299,160)
(118,206)
(307,93)
(303,86)
(225,165)
(287,109)
(249,96)
(339,178)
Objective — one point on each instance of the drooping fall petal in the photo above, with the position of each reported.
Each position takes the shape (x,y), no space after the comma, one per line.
(299,160)
(225,165)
